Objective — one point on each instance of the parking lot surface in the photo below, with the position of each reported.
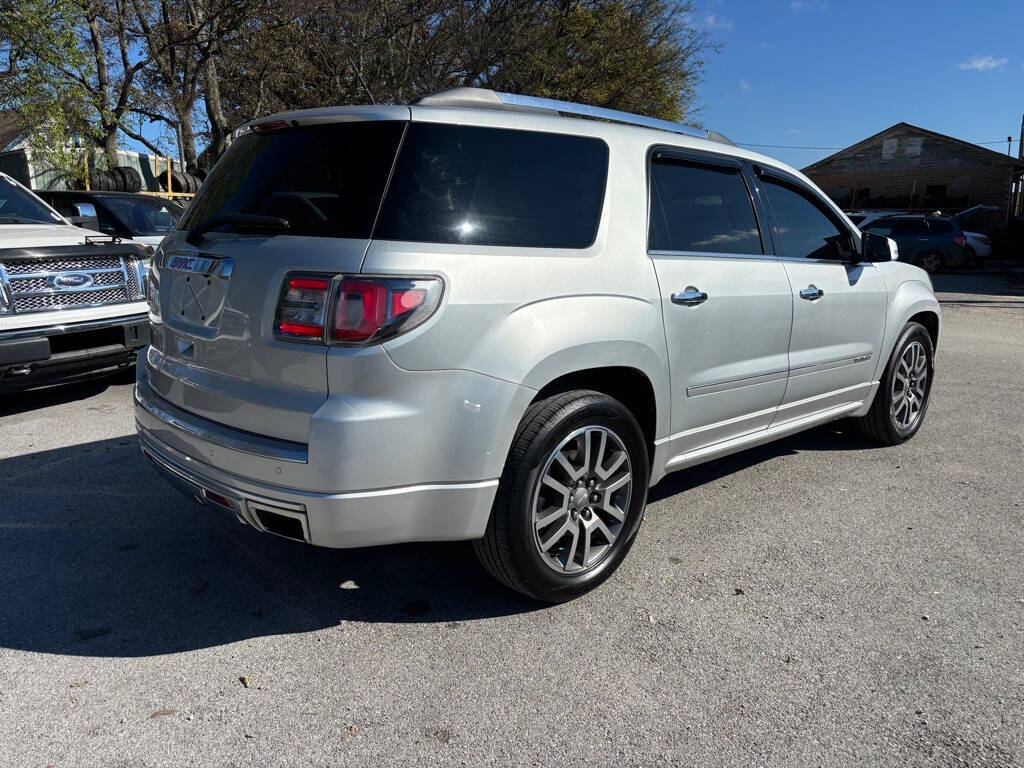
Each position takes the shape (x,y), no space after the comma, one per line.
(817,601)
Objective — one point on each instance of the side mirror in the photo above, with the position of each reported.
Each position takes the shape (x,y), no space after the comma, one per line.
(876,248)
(85,216)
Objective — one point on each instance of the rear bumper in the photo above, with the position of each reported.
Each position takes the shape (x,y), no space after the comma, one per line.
(199,457)
(439,512)
(52,354)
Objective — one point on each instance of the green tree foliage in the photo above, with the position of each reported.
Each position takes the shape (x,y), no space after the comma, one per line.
(37,39)
(201,67)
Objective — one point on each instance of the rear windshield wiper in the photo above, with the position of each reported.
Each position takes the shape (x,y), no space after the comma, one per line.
(246,220)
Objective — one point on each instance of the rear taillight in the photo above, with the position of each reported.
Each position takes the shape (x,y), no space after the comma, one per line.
(960,240)
(302,307)
(361,309)
(377,308)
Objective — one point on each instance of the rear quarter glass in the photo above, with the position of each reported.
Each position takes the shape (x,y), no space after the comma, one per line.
(494,186)
(326,179)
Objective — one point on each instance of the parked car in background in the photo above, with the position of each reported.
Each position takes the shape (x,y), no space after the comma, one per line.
(143,218)
(933,243)
(979,245)
(475,317)
(72,301)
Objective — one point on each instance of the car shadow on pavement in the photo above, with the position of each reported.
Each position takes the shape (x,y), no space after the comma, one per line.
(14,403)
(835,436)
(101,557)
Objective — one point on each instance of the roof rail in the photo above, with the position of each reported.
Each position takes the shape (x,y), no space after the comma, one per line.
(486,98)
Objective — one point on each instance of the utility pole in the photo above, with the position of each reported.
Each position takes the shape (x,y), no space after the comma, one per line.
(1020,144)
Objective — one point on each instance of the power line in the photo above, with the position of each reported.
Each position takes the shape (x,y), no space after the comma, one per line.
(836,149)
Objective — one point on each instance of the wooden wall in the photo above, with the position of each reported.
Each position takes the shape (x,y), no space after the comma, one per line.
(895,170)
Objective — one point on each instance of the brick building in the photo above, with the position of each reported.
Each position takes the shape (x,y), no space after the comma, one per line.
(909,168)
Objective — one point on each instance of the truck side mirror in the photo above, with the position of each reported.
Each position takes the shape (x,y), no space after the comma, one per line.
(85,216)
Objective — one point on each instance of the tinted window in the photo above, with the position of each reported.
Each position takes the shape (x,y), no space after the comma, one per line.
(881,227)
(701,208)
(940,227)
(804,228)
(144,216)
(326,180)
(17,206)
(489,186)
(909,228)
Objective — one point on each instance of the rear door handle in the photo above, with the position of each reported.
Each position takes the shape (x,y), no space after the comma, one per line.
(691,297)
(811,292)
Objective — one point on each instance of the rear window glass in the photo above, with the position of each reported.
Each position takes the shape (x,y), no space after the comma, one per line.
(491,186)
(325,180)
(703,208)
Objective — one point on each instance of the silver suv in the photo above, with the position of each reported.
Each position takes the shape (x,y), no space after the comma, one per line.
(481,317)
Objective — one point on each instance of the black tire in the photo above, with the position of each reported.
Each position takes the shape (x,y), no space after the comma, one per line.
(509,549)
(178,182)
(930,261)
(880,423)
(132,179)
(120,182)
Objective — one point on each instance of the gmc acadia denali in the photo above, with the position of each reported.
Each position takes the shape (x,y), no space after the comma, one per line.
(481,317)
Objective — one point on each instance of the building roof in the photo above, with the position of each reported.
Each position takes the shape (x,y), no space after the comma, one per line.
(991,155)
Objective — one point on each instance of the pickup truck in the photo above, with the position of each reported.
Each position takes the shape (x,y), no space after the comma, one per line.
(72,301)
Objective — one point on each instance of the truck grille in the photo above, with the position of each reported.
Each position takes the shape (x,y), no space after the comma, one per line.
(69,282)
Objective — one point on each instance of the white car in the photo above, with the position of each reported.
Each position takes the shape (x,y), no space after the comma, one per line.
(72,300)
(485,319)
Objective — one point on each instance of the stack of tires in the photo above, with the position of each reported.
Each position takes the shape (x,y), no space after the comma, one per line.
(182,182)
(124,178)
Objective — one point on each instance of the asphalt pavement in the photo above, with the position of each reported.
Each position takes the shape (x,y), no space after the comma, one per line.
(817,601)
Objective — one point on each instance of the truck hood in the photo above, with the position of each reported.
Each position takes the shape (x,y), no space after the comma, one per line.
(31,235)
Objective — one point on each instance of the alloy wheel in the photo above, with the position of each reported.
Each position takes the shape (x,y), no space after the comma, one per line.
(580,499)
(909,386)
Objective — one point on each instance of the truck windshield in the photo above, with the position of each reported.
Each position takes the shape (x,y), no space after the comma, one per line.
(144,216)
(20,207)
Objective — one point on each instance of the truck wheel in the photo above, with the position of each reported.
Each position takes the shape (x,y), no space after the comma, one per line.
(902,398)
(571,497)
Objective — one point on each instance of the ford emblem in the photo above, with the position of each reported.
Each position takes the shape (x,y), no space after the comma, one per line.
(72,280)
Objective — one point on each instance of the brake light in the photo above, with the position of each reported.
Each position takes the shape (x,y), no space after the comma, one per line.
(301,308)
(960,240)
(374,309)
(362,309)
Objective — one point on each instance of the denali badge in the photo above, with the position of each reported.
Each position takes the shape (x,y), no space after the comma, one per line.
(71,280)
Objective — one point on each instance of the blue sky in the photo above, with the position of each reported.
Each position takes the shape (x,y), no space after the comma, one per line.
(828,74)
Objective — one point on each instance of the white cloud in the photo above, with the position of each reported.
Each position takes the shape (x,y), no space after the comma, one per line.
(714,21)
(744,85)
(982,63)
(804,5)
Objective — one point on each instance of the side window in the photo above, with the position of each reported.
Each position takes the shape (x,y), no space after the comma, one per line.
(910,228)
(703,208)
(64,206)
(940,227)
(882,227)
(805,230)
(494,186)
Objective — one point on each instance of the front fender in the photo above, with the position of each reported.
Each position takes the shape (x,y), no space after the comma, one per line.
(911,297)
